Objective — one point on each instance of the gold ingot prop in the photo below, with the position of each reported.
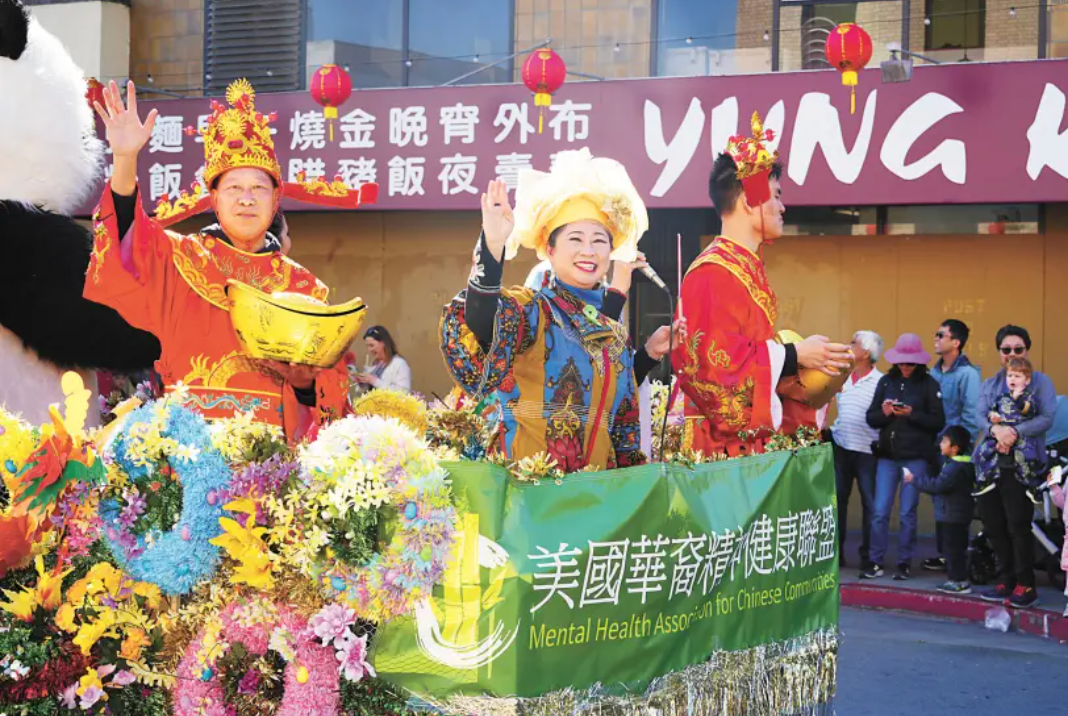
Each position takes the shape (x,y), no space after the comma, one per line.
(291,327)
(812,387)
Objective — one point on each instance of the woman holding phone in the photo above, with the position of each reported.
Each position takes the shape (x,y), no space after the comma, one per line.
(907,411)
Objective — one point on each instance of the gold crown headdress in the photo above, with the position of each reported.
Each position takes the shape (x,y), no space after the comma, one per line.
(754,161)
(237,137)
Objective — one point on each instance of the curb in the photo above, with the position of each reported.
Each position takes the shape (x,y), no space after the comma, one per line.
(1037,622)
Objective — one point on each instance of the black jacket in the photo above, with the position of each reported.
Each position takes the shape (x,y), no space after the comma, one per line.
(952,490)
(912,436)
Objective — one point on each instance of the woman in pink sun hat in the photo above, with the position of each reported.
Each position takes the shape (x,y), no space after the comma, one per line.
(907,411)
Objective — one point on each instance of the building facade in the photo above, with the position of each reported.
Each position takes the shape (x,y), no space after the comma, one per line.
(942,197)
(870,251)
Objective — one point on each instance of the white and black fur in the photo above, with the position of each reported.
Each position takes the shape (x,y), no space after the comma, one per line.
(50,160)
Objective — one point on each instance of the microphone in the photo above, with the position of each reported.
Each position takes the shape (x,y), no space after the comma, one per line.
(652,275)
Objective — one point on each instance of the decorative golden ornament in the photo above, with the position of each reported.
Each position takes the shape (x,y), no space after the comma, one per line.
(810,386)
(397,404)
(292,328)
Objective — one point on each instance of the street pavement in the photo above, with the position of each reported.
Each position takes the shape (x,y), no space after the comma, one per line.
(892,664)
(1051,599)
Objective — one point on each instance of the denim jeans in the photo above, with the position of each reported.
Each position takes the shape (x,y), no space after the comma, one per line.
(887,478)
(850,465)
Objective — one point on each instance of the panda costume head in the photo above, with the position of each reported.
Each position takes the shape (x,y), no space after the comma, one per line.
(52,161)
(48,141)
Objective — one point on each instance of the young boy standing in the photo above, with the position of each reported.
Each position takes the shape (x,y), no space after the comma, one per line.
(953,504)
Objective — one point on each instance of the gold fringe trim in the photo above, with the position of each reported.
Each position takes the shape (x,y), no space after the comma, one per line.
(797,676)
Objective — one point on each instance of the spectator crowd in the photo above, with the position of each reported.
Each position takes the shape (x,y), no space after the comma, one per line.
(977,447)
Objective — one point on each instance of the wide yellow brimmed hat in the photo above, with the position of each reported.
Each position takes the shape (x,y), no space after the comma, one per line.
(580,187)
(292,327)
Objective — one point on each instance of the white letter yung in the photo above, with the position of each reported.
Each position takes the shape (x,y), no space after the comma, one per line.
(817,124)
(921,115)
(675,156)
(1049,146)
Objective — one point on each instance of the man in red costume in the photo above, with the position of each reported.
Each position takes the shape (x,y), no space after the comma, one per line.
(174,286)
(731,365)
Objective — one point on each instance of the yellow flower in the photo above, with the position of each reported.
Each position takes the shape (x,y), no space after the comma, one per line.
(90,679)
(245,545)
(22,604)
(65,619)
(49,586)
(255,572)
(150,592)
(135,640)
(244,505)
(89,634)
(94,582)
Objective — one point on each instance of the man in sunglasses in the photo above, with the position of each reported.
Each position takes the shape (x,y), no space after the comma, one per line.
(1007,509)
(959,381)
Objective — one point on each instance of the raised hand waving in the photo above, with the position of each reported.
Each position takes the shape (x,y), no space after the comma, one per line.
(125,132)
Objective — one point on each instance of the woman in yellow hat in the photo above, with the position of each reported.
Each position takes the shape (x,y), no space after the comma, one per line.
(555,357)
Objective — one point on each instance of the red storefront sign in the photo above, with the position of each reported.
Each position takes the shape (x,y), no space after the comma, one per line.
(966,133)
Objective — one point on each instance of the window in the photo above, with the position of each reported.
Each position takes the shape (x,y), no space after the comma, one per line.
(955,24)
(367,36)
(439,44)
(1058,30)
(696,37)
(817,22)
(444,45)
(269,57)
(963,219)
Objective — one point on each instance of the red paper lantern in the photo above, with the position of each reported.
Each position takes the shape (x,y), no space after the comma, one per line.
(330,86)
(849,50)
(94,92)
(543,73)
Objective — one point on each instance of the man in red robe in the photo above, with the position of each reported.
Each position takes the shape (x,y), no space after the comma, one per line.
(174,285)
(731,368)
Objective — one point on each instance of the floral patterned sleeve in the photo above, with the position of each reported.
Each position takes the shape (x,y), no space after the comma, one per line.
(626,433)
(484,329)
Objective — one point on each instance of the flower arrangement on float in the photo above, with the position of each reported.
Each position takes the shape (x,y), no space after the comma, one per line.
(165,565)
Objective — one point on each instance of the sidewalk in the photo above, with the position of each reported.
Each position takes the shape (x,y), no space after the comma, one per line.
(920,594)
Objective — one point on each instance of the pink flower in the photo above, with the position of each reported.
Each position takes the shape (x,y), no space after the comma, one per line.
(352,653)
(332,622)
(123,678)
(70,696)
(90,696)
(249,682)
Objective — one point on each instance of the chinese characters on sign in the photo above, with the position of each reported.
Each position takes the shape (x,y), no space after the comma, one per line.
(409,131)
(436,148)
(688,566)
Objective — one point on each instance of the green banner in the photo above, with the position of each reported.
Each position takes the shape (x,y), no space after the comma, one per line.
(617,578)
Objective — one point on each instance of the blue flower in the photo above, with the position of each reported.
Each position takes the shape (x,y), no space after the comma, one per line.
(174,564)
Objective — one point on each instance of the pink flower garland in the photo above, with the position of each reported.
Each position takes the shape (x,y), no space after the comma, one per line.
(319,694)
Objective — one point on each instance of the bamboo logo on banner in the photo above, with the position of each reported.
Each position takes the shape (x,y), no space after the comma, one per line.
(459,646)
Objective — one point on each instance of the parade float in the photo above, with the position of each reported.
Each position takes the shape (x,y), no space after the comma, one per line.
(390,563)
(167,565)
